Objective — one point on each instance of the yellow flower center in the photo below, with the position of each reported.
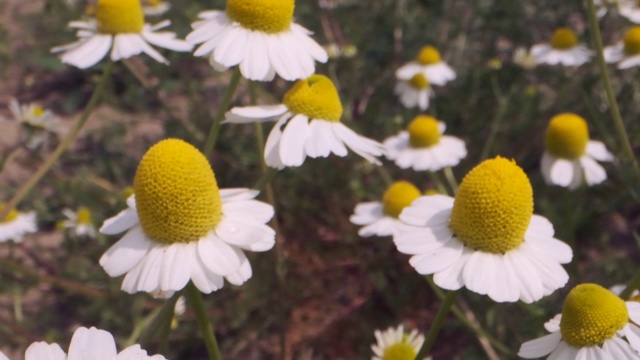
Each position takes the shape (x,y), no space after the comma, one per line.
(316,97)
(632,41)
(493,207)
(398,196)
(12,215)
(84,216)
(399,351)
(564,38)
(431,192)
(591,314)
(423,132)
(153,2)
(566,136)
(269,16)
(419,81)
(177,196)
(429,55)
(119,16)
(37,110)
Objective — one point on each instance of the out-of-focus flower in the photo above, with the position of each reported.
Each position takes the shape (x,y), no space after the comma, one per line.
(118,27)
(603,6)
(414,92)
(570,157)
(423,147)
(396,344)
(430,65)
(38,125)
(630,9)
(180,227)
(17,224)
(563,48)
(626,52)
(260,37)
(593,326)
(155,7)
(523,58)
(381,218)
(310,115)
(486,238)
(79,222)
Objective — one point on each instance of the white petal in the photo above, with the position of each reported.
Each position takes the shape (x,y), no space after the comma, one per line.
(248,211)
(41,351)
(428,210)
(539,347)
(176,267)
(256,65)
(320,139)
(243,274)
(598,151)
(123,221)
(246,234)
(293,141)
(88,52)
(126,253)
(272,147)
(633,307)
(233,48)
(562,172)
(218,256)
(361,145)
(385,226)
(367,213)
(92,344)
(205,280)
(593,172)
(249,114)
(480,272)
(451,277)
(440,259)
(593,353)
(237,194)
(618,349)
(531,287)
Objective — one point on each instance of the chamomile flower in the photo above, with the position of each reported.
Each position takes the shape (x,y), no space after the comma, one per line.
(631,10)
(87,344)
(38,125)
(570,157)
(414,92)
(118,27)
(155,7)
(593,326)
(180,226)
(423,147)
(486,238)
(381,218)
(627,52)
(79,222)
(260,37)
(396,344)
(310,115)
(17,224)
(430,65)
(523,58)
(563,48)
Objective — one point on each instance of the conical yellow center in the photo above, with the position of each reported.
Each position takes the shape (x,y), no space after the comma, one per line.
(429,55)
(632,41)
(566,136)
(119,16)
(316,97)
(84,216)
(269,16)
(12,215)
(423,132)
(591,314)
(419,81)
(399,351)
(493,207)
(564,38)
(38,111)
(153,2)
(398,196)
(177,196)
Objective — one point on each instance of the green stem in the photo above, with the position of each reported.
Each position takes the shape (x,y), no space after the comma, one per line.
(224,106)
(436,179)
(447,303)
(618,124)
(195,297)
(634,284)
(451,179)
(503,103)
(154,321)
(66,142)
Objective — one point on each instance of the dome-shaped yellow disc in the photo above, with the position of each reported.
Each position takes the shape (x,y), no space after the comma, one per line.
(423,131)
(399,351)
(316,97)
(632,41)
(567,136)
(119,16)
(419,81)
(269,16)
(429,55)
(564,38)
(398,196)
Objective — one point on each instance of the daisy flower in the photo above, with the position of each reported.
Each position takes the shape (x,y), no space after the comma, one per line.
(486,238)
(563,48)
(310,114)
(118,27)
(180,226)
(593,326)
(631,10)
(37,123)
(570,157)
(627,52)
(16,224)
(430,65)
(86,344)
(414,92)
(381,218)
(79,222)
(523,58)
(395,344)
(259,36)
(155,7)
(423,147)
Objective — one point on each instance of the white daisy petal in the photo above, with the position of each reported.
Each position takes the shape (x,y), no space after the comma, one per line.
(42,351)
(92,344)
(443,257)
(176,267)
(218,256)
(293,141)
(618,349)
(126,253)
(562,172)
(598,151)
(249,114)
(593,172)
(539,347)
(243,273)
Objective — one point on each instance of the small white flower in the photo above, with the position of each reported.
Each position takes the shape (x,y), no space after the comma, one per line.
(260,37)
(625,53)
(381,218)
(38,124)
(395,344)
(310,115)
(523,58)
(630,9)
(119,27)
(430,65)
(79,222)
(422,146)
(570,157)
(17,224)
(563,48)
(414,92)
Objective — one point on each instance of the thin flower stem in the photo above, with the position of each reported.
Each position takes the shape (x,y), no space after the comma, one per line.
(503,104)
(436,179)
(197,304)
(451,179)
(224,106)
(618,124)
(446,305)
(66,142)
